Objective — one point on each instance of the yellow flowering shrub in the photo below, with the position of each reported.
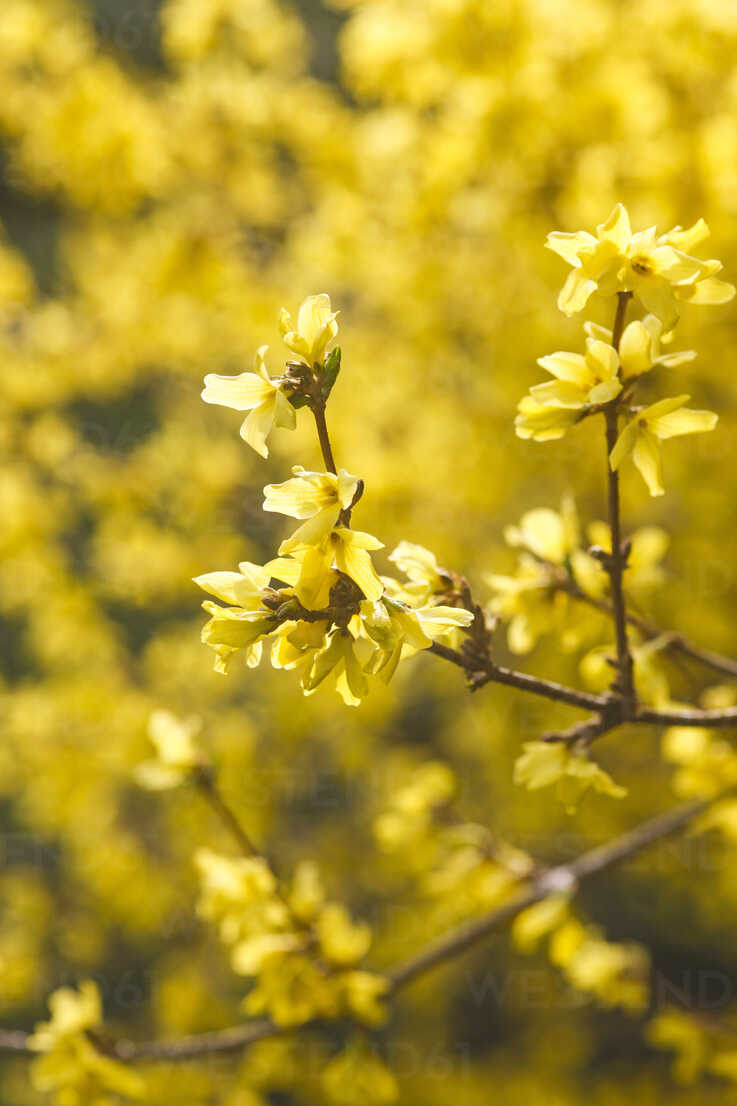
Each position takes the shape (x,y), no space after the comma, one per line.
(225,886)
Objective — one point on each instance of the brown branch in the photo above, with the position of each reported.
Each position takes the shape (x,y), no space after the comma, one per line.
(607,708)
(232,1039)
(563,878)
(710,719)
(206,785)
(14,1040)
(495,673)
(318,410)
(583,733)
(673,641)
(615,563)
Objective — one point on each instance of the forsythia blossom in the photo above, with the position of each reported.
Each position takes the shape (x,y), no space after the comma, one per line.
(255,392)
(69,1064)
(321,602)
(660,273)
(581,381)
(641,437)
(177,754)
(656,269)
(543,763)
(300,950)
(316,328)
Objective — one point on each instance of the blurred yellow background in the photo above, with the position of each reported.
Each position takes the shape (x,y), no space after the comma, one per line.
(173,175)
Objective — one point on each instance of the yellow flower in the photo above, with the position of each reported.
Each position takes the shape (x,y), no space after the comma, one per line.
(539,921)
(307,893)
(656,269)
(255,392)
(685,1034)
(705,764)
(242,625)
(232,628)
(243,588)
(357,1077)
(70,1063)
(293,991)
(177,754)
(351,552)
(348,550)
(550,535)
(421,567)
(250,955)
(342,941)
(639,346)
(71,1012)
(316,328)
(346,657)
(239,894)
(400,630)
(317,496)
(615,974)
(543,763)
(362,994)
(667,418)
(580,380)
(543,422)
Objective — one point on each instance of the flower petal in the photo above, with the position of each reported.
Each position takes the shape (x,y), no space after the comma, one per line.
(606,391)
(256,426)
(657,296)
(624,445)
(575,293)
(601,359)
(686,239)
(239,392)
(357,564)
(617,228)
(636,349)
(646,456)
(683,421)
(559,393)
(566,366)
(568,246)
(711,291)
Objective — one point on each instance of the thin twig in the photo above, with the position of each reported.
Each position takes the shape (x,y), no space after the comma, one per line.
(606,706)
(708,719)
(232,1039)
(318,410)
(673,641)
(564,878)
(207,787)
(615,562)
(494,673)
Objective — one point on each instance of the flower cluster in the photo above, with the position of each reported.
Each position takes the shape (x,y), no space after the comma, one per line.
(458,866)
(612,973)
(320,603)
(660,274)
(300,950)
(70,1064)
(559,581)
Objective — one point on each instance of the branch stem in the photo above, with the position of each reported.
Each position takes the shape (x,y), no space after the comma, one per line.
(673,641)
(494,673)
(616,562)
(209,791)
(318,410)
(565,877)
